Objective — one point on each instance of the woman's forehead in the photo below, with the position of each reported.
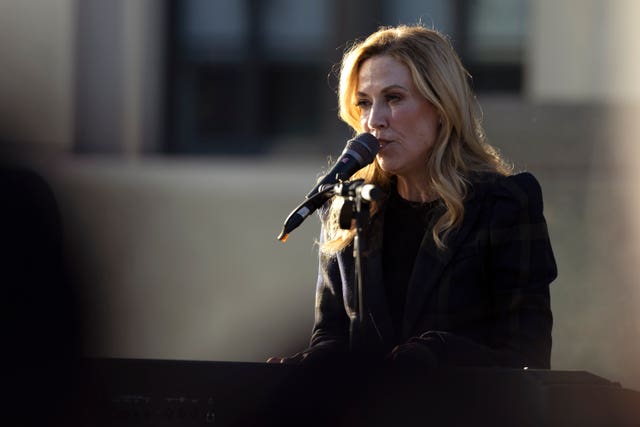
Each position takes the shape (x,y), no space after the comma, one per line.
(383,71)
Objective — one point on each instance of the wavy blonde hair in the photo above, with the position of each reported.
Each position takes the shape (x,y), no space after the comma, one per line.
(460,147)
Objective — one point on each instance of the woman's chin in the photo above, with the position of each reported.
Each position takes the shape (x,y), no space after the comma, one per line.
(387,166)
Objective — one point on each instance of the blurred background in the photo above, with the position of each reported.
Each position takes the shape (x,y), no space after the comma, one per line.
(177,135)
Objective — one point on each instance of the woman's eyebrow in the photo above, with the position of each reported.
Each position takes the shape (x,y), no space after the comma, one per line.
(394,87)
(386,89)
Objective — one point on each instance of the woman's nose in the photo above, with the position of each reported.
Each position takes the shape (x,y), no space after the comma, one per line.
(377,117)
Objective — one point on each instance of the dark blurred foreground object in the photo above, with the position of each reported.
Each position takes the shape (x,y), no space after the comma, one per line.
(40,327)
(125,392)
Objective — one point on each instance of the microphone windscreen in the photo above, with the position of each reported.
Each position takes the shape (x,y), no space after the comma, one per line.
(365,145)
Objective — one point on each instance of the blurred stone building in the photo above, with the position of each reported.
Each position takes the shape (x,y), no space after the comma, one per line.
(177,135)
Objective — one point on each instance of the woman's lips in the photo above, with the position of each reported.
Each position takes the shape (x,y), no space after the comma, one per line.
(384,143)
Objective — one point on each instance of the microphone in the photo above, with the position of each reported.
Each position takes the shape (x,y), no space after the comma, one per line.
(358,153)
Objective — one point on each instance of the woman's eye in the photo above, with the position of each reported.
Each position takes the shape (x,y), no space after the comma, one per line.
(363,103)
(392,97)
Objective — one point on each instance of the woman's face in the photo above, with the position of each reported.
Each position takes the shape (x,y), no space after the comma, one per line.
(394,111)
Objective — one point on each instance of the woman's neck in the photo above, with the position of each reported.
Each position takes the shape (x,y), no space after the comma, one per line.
(415,190)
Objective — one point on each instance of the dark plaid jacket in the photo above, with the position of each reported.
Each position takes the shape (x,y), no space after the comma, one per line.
(484,301)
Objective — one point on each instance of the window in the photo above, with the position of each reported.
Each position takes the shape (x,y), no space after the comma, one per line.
(246,74)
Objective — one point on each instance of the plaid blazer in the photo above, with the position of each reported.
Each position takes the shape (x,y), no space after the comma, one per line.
(483,301)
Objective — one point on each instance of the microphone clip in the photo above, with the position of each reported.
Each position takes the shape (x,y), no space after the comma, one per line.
(357,196)
(353,190)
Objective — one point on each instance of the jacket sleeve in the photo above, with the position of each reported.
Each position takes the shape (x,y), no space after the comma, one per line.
(520,266)
(331,327)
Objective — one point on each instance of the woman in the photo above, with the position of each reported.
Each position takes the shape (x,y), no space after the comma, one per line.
(459,262)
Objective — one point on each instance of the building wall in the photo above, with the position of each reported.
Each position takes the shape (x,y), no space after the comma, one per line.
(584,50)
(37,42)
(585,55)
(178,257)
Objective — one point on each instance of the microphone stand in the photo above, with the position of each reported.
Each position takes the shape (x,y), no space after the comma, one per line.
(357,197)
(356,207)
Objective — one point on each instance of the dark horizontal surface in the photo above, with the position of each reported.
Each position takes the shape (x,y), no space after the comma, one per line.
(130,392)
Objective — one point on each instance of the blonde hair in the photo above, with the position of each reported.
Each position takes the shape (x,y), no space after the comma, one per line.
(460,147)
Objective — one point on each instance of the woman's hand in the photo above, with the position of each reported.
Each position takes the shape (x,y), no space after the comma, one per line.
(296,359)
(413,355)
(320,354)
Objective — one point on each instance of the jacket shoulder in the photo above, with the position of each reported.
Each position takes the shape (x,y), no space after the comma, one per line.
(521,186)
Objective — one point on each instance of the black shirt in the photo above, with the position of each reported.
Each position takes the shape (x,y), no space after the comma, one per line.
(405,224)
